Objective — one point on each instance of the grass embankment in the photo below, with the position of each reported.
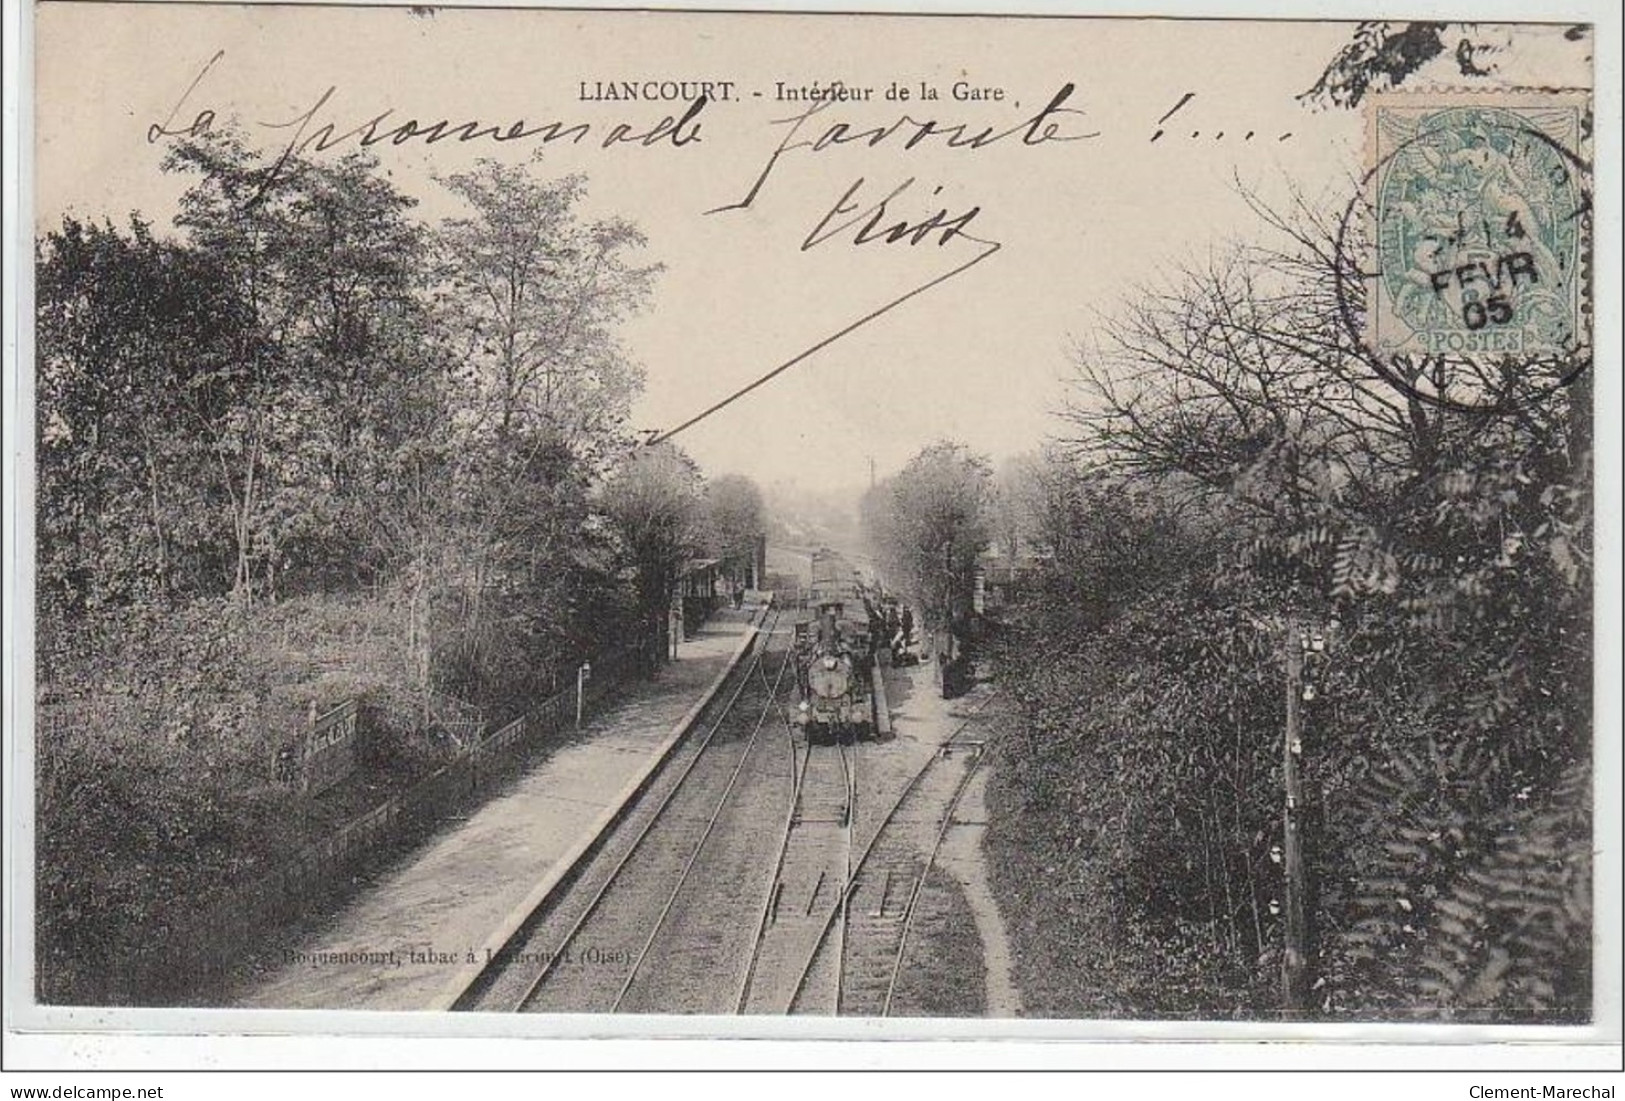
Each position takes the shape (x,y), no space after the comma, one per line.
(1044,894)
(155,784)
(943,974)
(1076,955)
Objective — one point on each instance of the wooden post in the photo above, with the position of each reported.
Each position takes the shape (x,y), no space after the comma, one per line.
(1294,962)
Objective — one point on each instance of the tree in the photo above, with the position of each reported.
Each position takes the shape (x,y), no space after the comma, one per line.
(654,503)
(332,369)
(928,525)
(1240,379)
(1238,460)
(305,396)
(128,327)
(1018,505)
(531,295)
(735,518)
(527,299)
(376,374)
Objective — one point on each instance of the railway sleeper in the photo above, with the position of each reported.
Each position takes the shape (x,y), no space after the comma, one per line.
(813,897)
(885,889)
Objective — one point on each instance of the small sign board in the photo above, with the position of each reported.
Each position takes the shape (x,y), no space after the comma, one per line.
(324,754)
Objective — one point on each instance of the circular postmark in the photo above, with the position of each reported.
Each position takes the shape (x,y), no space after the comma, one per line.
(1473,219)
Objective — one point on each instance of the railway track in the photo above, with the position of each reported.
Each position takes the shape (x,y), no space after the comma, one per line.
(862,939)
(814,862)
(690,905)
(603,944)
(697,936)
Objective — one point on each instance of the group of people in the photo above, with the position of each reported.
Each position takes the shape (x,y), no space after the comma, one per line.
(898,629)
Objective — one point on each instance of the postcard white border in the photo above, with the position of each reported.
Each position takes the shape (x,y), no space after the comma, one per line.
(51,1036)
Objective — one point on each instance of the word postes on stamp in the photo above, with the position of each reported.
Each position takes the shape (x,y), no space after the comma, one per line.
(1479,206)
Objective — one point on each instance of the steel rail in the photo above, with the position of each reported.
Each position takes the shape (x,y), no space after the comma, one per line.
(694,856)
(797,780)
(598,896)
(919,883)
(874,840)
(848,837)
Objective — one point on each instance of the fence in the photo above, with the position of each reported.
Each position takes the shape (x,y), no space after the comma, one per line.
(201,952)
(459,720)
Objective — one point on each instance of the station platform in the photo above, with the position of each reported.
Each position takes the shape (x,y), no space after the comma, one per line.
(398,943)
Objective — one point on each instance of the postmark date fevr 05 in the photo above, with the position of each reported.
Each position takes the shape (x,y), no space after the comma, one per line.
(1479,205)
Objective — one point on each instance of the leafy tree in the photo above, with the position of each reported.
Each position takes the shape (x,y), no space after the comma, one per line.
(1018,505)
(531,295)
(527,298)
(1237,460)
(376,375)
(334,369)
(735,517)
(654,501)
(299,398)
(929,524)
(128,326)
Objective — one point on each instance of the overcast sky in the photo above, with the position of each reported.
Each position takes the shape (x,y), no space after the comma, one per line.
(979,357)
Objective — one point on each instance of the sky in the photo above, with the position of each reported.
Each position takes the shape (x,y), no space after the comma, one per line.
(1080,222)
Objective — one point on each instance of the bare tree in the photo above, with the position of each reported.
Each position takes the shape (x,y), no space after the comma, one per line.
(1243,378)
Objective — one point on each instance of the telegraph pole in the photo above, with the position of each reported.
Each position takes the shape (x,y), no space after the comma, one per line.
(1294,961)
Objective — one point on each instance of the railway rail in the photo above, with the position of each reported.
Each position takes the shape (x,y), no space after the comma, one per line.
(712,955)
(813,864)
(862,938)
(689,905)
(584,948)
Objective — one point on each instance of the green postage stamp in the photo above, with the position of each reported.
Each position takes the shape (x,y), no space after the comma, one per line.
(1481,212)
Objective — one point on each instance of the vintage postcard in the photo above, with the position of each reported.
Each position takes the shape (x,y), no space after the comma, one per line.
(553,516)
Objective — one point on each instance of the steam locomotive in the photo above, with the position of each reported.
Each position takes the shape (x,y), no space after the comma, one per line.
(835,654)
